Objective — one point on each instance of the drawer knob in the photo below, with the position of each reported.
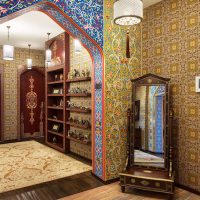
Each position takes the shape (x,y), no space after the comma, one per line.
(133,180)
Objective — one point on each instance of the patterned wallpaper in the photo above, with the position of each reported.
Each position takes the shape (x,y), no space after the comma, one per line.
(10,75)
(87,14)
(171,36)
(81,61)
(118,72)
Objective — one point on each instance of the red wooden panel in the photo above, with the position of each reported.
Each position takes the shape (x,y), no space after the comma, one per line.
(32,94)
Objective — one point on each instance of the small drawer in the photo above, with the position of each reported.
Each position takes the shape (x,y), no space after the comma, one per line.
(154,185)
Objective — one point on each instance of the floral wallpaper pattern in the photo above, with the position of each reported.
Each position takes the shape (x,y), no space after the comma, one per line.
(87,14)
(118,72)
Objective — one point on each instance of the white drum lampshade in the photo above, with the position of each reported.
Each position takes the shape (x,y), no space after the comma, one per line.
(128,12)
(77,46)
(29,63)
(48,55)
(29,60)
(8,52)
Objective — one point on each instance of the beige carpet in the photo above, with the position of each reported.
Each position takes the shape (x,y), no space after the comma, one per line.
(28,163)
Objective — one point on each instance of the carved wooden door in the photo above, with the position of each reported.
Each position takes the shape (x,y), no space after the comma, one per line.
(32,98)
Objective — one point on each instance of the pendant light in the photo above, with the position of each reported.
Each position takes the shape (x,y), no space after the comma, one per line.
(48,52)
(128,13)
(29,60)
(77,46)
(8,50)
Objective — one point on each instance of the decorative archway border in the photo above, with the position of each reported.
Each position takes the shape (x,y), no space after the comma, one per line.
(98,132)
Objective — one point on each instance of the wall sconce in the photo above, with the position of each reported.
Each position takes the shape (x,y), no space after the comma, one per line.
(8,50)
(77,46)
(128,13)
(48,52)
(29,60)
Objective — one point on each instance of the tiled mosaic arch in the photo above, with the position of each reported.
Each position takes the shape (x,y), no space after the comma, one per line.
(98,76)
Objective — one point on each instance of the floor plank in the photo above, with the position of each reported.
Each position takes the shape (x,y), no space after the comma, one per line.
(54,189)
(113,192)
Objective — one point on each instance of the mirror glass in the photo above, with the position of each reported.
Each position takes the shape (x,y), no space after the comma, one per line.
(149,140)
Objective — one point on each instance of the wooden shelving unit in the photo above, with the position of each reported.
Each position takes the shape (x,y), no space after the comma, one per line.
(78,79)
(55,95)
(56,103)
(78,126)
(55,107)
(57,110)
(79,95)
(55,120)
(55,133)
(55,82)
(78,141)
(78,110)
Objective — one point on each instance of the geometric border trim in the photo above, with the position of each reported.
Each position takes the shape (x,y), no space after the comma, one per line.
(95,51)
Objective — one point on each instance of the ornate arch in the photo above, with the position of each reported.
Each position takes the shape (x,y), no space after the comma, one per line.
(98,133)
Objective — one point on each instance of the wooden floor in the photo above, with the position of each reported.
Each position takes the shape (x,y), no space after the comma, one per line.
(54,189)
(113,192)
(86,187)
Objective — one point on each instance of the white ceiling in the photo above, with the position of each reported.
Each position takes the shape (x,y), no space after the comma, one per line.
(148,3)
(31,28)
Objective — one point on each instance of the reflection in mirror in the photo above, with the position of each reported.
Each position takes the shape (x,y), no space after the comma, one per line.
(149,142)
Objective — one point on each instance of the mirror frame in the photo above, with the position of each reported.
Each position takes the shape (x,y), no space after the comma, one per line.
(149,80)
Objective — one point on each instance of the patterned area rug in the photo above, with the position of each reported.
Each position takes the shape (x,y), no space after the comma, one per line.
(28,163)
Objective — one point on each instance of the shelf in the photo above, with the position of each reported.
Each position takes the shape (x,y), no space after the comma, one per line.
(55,120)
(55,82)
(78,141)
(56,146)
(55,68)
(54,107)
(55,95)
(78,79)
(55,133)
(79,95)
(78,126)
(78,110)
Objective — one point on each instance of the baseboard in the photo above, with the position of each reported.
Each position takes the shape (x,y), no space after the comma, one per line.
(187,188)
(22,140)
(105,182)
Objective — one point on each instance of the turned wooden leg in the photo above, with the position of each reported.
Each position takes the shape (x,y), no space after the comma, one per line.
(123,189)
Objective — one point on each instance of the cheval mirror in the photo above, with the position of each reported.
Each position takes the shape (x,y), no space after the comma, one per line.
(149,150)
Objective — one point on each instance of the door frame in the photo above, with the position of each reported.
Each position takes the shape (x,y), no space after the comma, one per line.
(21,70)
(2,104)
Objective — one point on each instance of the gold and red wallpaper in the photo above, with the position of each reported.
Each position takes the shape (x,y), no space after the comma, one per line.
(170,48)
(171,36)
(10,87)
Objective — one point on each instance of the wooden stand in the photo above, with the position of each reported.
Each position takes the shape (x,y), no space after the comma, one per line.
(149,177)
